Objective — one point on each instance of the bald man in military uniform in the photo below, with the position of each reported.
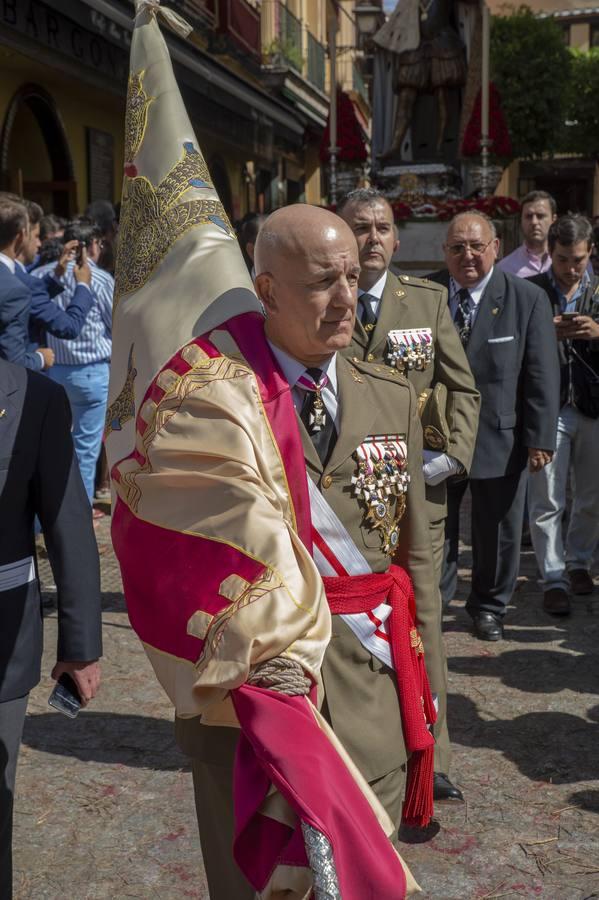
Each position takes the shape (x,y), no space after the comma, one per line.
(347,413)
(405,322)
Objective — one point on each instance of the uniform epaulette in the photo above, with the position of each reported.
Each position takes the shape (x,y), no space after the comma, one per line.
(377,370)
(414,281)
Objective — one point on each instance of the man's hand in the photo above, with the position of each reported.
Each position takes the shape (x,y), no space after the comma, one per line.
(86,676)
(82,271)
(580,328)
(538,459)
(68,253)
(48,355)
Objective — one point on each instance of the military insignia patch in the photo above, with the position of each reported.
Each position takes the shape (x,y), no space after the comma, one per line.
(381,483)
(433,438)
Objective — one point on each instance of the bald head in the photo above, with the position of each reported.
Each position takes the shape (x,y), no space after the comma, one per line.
(307,268)
(296,231)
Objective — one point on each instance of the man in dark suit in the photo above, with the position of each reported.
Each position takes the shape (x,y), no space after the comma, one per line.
(506,328)
(15,297)
(39,477)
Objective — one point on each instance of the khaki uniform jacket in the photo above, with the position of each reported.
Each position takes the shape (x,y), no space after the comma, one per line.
(409,302)
(361,697)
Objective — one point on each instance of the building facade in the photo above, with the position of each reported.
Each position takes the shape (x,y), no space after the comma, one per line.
(253,76)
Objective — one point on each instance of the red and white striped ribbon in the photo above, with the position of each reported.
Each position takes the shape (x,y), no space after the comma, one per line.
(335,553)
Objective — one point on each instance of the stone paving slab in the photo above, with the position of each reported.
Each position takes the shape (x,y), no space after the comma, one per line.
(105,803)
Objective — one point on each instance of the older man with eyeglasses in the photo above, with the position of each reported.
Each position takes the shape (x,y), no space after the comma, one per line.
(505,326)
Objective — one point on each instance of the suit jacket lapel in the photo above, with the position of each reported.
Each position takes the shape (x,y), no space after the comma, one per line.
(11,408)
(489,312)
(361,336)
(358,412)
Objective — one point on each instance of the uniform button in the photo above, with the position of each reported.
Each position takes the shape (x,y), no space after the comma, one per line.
(370,357)
(377,368)
(327,481)
(355,359)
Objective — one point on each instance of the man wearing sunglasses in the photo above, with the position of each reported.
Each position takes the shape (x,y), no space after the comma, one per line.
(505,326)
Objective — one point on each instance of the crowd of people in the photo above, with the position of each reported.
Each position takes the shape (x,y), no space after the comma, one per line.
(501,357)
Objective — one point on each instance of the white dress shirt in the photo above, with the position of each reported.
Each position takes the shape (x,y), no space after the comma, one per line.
(8,262)
(293,370)
(476,291)
(376,293)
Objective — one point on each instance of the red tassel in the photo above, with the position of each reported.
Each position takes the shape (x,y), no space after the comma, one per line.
(418,803)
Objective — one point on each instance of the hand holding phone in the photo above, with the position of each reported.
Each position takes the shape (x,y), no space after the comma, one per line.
(568,316)
(65,697)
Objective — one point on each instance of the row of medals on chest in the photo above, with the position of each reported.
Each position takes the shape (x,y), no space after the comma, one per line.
(381,483)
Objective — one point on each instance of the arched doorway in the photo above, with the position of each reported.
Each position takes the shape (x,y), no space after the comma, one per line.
(35,159)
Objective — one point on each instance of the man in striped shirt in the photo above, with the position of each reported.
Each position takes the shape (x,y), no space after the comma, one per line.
(82,365)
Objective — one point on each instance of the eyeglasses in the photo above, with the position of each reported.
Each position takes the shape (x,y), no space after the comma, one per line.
(477,248)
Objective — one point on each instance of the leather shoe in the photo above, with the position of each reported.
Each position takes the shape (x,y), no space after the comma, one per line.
(581,582)
(487,626)
(556,602)
(444,791)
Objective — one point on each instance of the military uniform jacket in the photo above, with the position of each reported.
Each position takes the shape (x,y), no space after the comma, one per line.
(361,697)
(408,303)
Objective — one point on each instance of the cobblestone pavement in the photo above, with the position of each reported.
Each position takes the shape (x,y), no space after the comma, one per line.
(104,805)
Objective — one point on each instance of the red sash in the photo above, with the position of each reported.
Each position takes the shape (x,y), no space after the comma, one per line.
(362,593)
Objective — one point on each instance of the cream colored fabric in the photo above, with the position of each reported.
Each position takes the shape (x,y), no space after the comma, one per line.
(202,280)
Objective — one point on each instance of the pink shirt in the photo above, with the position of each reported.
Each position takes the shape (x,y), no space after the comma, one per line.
(524,263)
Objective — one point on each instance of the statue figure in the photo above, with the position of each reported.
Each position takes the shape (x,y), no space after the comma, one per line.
(428,56)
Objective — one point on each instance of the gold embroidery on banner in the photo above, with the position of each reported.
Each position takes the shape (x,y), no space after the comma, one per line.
(123,408)
(136,115)
(269,581)
(233,587)
(153,217)
(158,414)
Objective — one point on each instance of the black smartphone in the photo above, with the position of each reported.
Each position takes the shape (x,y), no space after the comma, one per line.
(568,316)
(79,253)
(65,697)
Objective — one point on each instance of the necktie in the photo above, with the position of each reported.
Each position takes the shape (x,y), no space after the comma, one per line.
(314,414)
(463,315)
(367,316)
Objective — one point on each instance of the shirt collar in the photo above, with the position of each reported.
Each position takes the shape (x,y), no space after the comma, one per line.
(584,281)
(293,369)
(476,290)
(377,288)
(541,257)
(8,262)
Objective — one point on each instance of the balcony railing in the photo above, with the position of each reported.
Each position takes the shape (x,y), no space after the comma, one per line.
(316,62)
(290,37)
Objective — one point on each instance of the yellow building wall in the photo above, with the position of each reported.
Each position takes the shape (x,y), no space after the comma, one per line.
(78,106)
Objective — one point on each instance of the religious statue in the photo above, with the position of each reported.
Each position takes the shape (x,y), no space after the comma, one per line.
(428,56)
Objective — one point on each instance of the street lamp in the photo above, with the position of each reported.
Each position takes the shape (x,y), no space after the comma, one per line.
(368,17)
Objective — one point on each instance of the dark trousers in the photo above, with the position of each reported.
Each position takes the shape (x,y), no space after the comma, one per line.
(496,519)
(12,718)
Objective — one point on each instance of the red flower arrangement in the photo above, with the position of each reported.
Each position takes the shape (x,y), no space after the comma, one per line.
(350,139)
(494,207)
(498,130)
